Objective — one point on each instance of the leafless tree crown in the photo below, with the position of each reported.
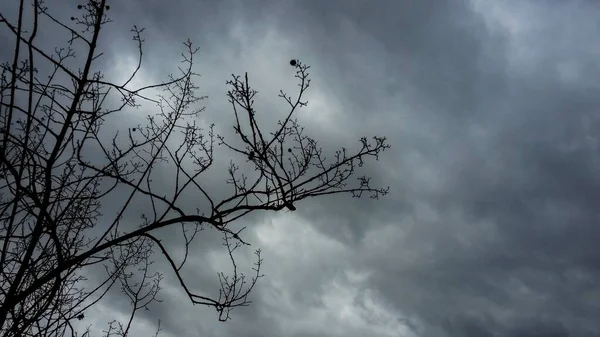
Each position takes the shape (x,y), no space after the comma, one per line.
(54,107)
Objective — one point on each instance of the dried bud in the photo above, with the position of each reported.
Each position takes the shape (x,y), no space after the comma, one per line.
(290,150)
(293,63)
(79,6)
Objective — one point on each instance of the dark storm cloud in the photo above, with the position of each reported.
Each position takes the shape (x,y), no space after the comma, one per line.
(492,110)
(533,176)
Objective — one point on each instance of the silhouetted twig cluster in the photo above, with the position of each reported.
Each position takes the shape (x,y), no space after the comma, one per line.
(58,169)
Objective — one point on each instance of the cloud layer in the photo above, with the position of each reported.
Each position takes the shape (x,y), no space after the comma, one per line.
(491,225)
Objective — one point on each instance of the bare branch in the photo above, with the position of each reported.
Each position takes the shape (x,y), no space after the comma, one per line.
(60,164)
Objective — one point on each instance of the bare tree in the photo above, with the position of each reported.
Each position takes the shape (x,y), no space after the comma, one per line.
(53,106)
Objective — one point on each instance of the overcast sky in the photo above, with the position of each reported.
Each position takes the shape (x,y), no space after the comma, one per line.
(491,225)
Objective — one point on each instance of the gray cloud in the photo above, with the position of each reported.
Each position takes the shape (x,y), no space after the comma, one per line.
(490,228)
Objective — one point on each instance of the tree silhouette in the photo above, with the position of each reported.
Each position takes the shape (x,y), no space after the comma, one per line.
(53,108)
